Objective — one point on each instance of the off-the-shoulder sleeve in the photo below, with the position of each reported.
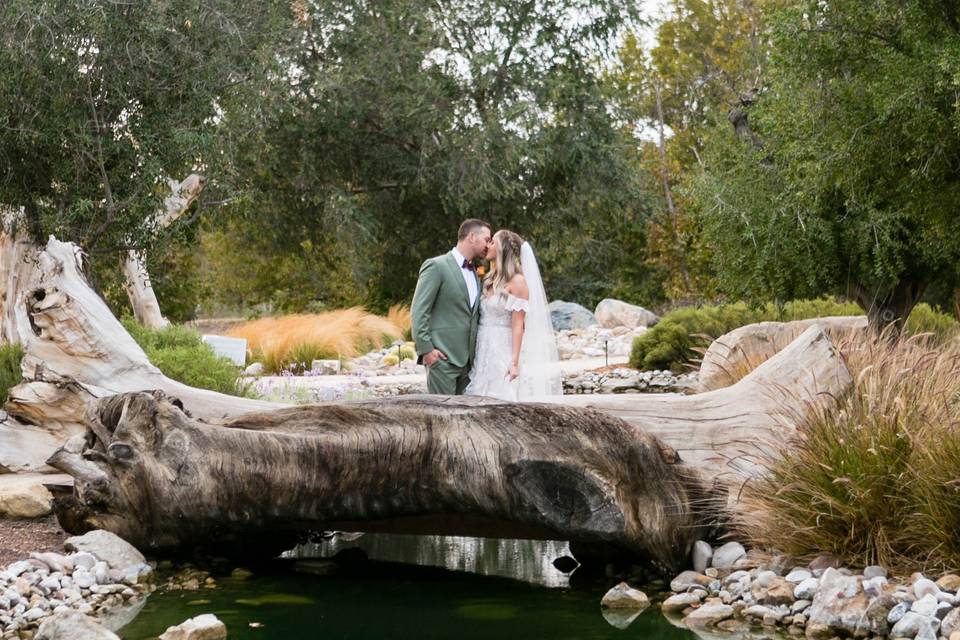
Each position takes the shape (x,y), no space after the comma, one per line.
(516,304)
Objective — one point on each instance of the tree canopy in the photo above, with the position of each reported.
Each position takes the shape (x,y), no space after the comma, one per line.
(855,189)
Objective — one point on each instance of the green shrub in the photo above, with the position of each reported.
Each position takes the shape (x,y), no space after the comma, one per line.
(10,357)
(926,319)
(180,354)
(674,341)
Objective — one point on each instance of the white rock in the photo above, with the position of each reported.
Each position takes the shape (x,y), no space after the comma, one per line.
(623,596)
(255,369)
(807,589)
(34,614)
(910,625)
(799,606)
(679,602)
(83,559)
(616,313)
(709,614)
(725,556)
(873,587)
(925,586)
(925,606)
(202,627)
(72,625)
(108,547)
(702,554)
(798,575)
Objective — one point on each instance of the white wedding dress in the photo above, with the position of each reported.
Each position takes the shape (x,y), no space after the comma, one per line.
(539,371)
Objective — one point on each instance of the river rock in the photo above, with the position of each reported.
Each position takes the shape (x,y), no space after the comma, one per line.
(823,562)
(623,596)
(873,587)
(874,571)
(949,582)
(108,547)
(911,624)
(612,313)
(73,625)
(778,591)
(54,561)
(951,623)
(702,554)
(709,614)
(807,589)
(570,315)
(202,627)
(727,555)
(839,606)
(688,580)
(925,586)
(898,611)
(798,575)
(679,602)
(925,606)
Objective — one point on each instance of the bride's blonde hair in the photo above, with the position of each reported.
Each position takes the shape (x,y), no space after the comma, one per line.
(507,263)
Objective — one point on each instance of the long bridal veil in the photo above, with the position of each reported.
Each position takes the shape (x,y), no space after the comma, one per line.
(539,359)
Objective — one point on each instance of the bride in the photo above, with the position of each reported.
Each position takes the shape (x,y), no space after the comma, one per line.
(516,356)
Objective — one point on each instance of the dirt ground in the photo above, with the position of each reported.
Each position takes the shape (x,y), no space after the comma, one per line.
(19,537)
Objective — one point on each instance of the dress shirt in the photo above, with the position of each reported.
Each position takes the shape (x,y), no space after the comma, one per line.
(470,277)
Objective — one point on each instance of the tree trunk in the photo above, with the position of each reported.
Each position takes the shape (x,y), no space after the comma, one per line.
(143,299)
(889,311)
(17,253)
(424,465)
(75,350)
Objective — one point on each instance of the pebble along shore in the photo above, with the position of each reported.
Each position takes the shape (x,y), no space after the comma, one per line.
(101,572)
(733,590)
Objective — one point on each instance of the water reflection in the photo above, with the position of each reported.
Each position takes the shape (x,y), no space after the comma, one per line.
(527,560)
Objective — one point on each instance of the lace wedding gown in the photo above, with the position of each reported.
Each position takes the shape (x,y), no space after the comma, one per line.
(491,364)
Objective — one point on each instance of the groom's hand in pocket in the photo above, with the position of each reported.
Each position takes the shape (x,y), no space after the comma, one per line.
(433,356)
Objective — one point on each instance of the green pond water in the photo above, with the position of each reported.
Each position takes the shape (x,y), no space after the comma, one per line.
(412,587)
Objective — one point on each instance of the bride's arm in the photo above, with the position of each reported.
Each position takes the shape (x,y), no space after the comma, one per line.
(518,289)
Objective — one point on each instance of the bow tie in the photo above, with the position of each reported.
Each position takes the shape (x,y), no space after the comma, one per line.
(468,265)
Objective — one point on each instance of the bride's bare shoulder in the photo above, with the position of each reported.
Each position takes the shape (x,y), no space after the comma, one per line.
(517,287)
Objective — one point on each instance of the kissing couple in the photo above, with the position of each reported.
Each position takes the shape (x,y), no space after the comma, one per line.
(490,337)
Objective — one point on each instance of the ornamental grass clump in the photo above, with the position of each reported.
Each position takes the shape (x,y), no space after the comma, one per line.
(293,342)
(876,478)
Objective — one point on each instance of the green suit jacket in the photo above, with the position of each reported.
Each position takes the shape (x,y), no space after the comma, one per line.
(442,315)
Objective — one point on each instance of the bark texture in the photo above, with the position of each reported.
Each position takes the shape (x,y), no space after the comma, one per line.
(467,466)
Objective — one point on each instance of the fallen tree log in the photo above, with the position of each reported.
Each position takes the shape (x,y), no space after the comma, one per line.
(428,465)
(727,432)
(77,352)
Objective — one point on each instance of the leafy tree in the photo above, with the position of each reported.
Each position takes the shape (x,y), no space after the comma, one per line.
(101,101)
(390,122)
(856,189)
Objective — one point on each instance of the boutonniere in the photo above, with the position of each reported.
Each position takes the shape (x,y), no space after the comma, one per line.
(481,270)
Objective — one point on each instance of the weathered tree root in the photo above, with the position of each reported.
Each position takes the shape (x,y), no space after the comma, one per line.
(426,465)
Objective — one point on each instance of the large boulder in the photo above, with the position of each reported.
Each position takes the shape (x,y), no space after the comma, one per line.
(109,547)
(73,625)
(734,354)
(840,607)
(22,495)
(612,313)
(570,315)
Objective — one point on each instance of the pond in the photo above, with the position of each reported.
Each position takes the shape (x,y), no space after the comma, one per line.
(411,586)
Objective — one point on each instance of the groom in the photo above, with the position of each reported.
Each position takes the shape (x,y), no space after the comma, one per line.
(446,309)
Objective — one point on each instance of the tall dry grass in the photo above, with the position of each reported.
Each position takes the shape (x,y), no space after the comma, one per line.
(875,479)
(292,342)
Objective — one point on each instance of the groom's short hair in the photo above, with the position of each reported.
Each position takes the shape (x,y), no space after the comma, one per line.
(471,225)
